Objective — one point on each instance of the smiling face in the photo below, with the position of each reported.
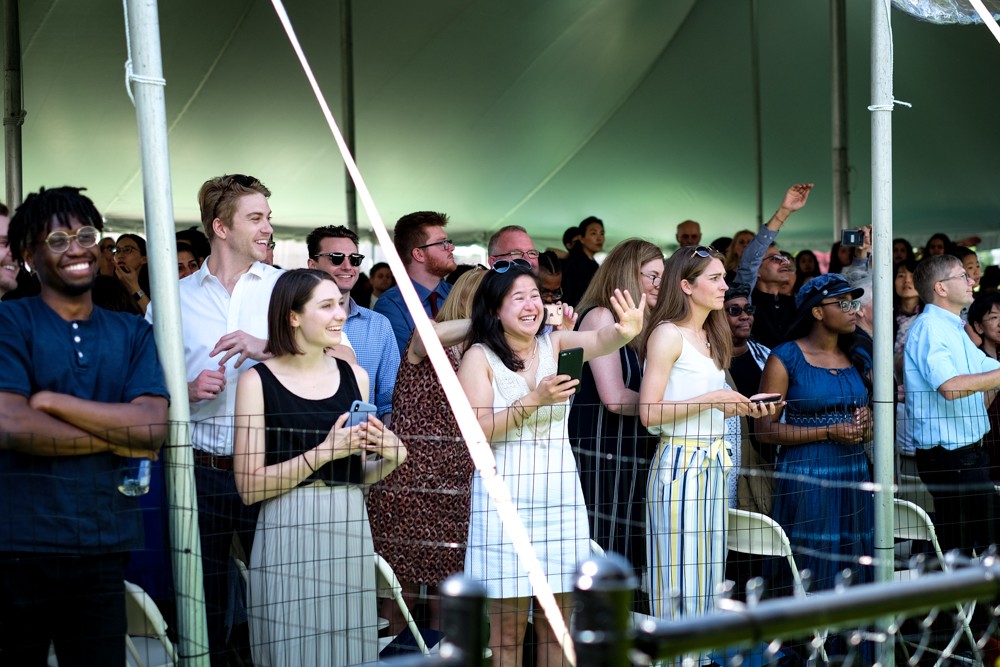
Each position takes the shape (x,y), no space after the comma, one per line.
(344,274)
(250,230)
(69,273)
(521,311)
(708,290)
(320,324)
(651,268)
(8,267)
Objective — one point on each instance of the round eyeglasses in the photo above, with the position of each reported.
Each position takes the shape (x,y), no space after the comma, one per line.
(653,278)
(845,306)
(59,241)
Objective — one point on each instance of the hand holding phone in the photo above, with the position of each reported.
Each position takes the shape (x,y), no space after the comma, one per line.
(571,364)
(358,414)
(554,314)
(766,398)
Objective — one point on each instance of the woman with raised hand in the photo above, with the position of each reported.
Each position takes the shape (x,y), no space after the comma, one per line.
(312,576)
(509,374)
(612,447)
(687,347)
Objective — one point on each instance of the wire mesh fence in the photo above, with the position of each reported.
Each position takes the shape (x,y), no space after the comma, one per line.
(317,565)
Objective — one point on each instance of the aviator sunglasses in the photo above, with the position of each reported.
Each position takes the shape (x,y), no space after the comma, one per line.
(505,265)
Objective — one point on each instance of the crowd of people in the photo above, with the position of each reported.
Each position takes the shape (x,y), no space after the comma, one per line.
(726,375)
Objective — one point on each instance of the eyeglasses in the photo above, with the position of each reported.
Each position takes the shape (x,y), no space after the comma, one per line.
(704,251)
(734,311)
(505,265)
(778,258)
(653,278)
(845,306)
(554,295)
(444,243)
(125,250)
(337,258)
(963,276)
(86,237)
(519,254)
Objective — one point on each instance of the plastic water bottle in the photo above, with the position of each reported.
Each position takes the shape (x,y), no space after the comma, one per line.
(136,479)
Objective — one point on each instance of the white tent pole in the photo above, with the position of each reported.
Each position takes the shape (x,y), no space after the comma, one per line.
(142,24)
(838,41)
(347,90)
(13,114)
(884,385)
(755,88)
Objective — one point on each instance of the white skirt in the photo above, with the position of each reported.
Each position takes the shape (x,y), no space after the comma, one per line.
(312,580)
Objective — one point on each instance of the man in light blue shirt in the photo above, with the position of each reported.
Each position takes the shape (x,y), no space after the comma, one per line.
(428,255)
(945,377)
(334,250)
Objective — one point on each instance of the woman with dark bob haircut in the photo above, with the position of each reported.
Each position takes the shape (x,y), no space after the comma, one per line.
(312,573)
(509,374)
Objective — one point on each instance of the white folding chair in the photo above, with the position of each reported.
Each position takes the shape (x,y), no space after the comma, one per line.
(913,523)
(146,643)
(759,534)
(388,586)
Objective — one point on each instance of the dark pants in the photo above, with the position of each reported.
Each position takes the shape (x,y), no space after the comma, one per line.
(220,513)
(76,602)
(965,502)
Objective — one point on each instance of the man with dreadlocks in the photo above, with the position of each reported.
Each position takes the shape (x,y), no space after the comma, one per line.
(65,423)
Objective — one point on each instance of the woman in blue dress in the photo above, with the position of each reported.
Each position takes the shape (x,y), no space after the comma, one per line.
(821,465)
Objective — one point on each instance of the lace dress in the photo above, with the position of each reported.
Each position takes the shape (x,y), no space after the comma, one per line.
(538,468)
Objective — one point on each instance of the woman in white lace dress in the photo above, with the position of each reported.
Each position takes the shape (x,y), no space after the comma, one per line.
(509,374)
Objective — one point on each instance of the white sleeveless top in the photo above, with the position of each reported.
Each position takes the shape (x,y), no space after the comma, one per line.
(693,374)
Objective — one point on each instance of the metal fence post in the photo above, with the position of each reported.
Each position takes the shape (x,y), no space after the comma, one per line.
(604,591)
(462,613)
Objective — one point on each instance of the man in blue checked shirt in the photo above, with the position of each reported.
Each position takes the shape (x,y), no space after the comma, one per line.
(334,249)
(947,381)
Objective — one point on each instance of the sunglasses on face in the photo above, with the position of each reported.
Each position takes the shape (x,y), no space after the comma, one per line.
(86,237)
(505,265)
(734,311)
(778,258)
(337,258)
(845,306)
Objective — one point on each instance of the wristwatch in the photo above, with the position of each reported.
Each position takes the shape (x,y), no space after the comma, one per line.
(138,295)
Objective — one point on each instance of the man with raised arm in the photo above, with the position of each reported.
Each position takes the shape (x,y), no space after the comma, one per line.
(80,388)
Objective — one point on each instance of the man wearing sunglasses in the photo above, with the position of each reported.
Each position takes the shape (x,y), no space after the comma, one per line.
(429,256)
(334,250)
(80,388)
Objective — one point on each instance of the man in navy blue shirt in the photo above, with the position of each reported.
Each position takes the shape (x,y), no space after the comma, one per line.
(81,388)
(428,255)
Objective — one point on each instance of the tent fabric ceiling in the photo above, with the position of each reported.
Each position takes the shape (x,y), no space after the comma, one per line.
(528,112)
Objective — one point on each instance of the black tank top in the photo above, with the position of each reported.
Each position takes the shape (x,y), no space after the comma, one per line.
(295,425)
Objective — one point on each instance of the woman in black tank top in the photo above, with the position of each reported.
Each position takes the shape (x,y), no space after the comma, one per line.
(312,597)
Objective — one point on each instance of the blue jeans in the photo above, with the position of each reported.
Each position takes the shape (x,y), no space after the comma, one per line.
(76,602)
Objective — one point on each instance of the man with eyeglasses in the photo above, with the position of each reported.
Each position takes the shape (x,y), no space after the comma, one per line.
(65,424)
(947,380)
(512,242)
(429,256)
(334,250)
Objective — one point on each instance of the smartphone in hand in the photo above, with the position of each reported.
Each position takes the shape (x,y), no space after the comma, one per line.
(553,314)
(358,414)
(571,364)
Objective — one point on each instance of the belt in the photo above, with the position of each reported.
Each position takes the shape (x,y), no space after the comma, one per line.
(203,458)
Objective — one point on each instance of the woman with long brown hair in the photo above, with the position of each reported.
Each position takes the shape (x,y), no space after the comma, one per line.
(687,348)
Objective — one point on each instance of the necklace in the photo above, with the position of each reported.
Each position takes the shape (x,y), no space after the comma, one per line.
(697,335)
(527,362)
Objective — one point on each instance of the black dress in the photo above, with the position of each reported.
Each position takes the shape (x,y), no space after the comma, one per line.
(612,453)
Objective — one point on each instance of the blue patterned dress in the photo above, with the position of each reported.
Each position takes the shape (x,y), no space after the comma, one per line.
(817,497)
